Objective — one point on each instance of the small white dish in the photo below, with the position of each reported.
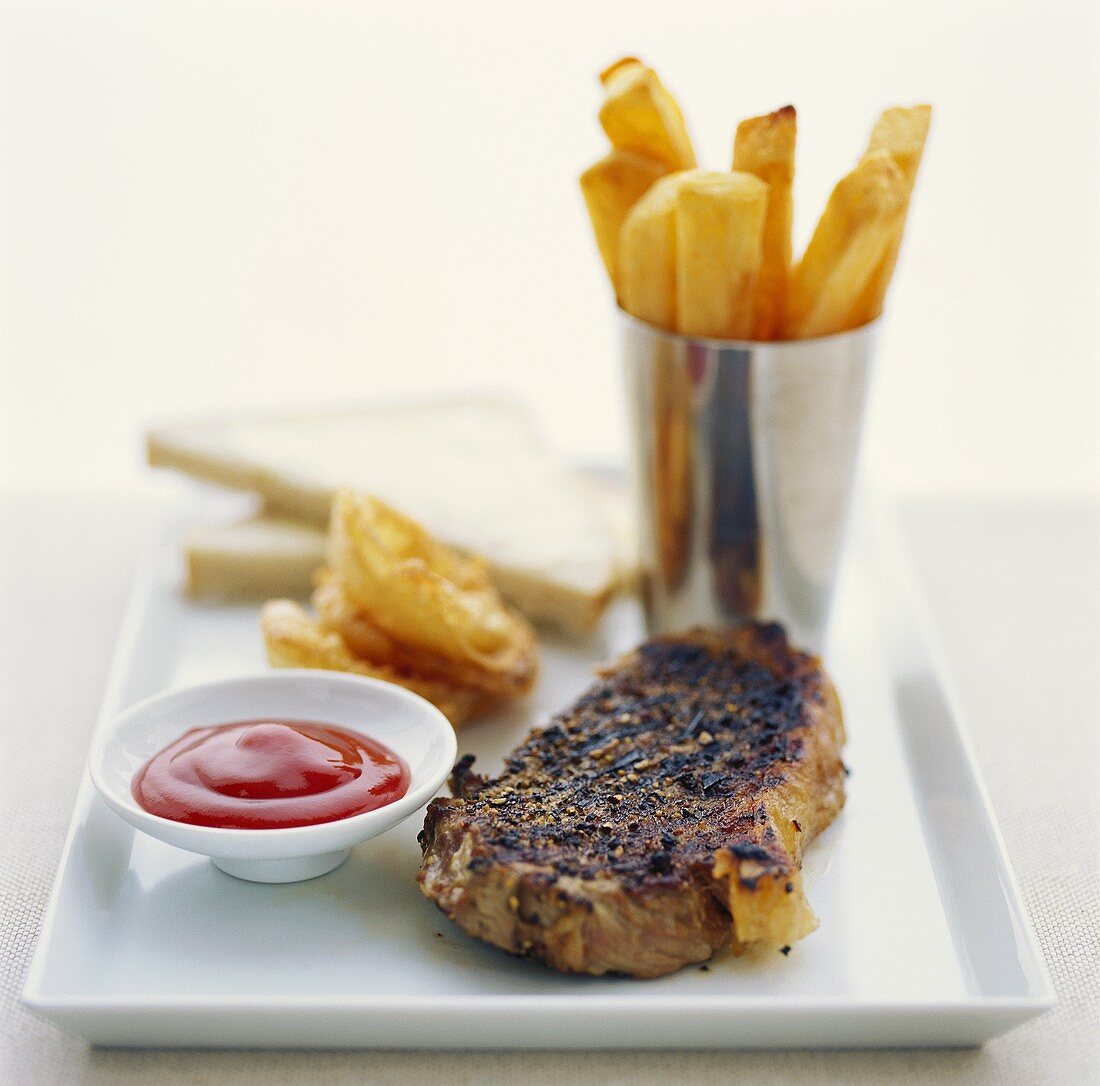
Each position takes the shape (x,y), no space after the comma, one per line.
(407,724)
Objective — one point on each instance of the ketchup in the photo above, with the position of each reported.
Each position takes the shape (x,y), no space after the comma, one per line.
(269,774)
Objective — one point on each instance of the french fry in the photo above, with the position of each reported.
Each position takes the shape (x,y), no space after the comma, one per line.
(764,146)
(709,254)
(852,238)
(618,65)
(647,256)
(902,132)
(611,187)
(719,227)
(639,115)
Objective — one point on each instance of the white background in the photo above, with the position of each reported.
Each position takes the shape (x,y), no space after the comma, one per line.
(211,205)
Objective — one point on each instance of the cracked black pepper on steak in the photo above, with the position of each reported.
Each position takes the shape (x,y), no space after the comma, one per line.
(664,811)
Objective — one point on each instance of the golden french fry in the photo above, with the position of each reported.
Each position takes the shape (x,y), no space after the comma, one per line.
(617,65)
(847,248)
(640,115)
(611,187)
(764,147)
(647,256)
(902,132)
(293,639)
(719,224)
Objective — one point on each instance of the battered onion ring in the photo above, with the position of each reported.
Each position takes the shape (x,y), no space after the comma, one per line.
(366,639)
(293,639)
(431,602)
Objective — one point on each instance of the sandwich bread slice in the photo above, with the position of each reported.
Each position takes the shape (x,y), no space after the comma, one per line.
(474,471)
(258,558)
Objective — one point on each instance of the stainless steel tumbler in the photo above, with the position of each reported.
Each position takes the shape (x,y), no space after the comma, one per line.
(744,461)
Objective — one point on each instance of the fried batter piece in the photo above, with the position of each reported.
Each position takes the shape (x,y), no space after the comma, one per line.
(397,605)
(438,610)
(294,639)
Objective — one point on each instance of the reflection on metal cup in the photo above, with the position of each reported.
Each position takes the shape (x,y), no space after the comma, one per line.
(744,462)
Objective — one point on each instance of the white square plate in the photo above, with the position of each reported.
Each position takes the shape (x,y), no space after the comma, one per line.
(923,939)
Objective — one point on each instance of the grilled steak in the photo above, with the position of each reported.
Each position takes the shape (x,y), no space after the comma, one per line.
(664,811)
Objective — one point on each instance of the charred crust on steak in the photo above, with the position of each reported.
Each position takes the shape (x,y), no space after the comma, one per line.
(661,768)
(464,782)
(623,782)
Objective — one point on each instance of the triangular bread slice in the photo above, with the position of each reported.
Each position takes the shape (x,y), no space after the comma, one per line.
(261,557)
(474,471)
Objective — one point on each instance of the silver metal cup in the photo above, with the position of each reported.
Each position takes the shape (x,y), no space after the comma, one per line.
(744,462)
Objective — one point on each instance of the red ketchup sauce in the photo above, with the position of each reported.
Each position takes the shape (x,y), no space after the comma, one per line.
(269,774)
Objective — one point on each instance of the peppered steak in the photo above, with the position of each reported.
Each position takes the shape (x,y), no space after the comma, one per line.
(664,811)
